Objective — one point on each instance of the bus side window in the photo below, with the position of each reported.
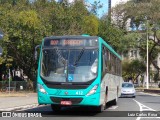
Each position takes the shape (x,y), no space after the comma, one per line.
(104,59)
(112,63)
(109,62)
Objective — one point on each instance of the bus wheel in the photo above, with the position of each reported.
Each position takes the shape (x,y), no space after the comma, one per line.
(56,108)
(114,102)
(100,108)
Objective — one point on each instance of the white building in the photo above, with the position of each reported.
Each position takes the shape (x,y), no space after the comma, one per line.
(115,2)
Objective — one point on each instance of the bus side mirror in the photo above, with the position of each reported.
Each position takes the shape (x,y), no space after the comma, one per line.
(35,52)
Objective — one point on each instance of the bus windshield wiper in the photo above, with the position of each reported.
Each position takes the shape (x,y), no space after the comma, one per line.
(79,56)
(64,61)
(60,56)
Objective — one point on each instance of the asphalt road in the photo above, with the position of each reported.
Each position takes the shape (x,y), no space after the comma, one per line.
(126,108)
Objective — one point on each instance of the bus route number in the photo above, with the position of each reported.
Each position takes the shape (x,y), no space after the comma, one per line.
(79,93)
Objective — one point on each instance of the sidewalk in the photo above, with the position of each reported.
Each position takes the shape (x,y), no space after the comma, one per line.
(16,102)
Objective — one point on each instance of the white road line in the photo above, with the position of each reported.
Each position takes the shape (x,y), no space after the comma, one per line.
(113,107)
(144,108)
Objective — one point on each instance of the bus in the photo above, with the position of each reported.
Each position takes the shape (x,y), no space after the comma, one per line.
(78,70)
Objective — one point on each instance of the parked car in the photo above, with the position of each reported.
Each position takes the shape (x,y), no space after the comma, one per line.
(128,90)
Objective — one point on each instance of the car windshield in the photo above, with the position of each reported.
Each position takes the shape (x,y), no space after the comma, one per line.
(69,65)
(127,85)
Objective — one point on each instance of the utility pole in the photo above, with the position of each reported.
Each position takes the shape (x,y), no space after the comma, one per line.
(109,11)
(147,81)
(9,81)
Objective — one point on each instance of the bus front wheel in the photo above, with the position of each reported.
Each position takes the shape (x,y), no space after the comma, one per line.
(100,108)
(56,108)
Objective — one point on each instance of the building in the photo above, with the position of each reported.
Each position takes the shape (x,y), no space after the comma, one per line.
(132,53)
(69,1)
(116,2)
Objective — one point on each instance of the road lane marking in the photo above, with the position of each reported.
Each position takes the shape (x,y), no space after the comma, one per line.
(144,108)
(113,107)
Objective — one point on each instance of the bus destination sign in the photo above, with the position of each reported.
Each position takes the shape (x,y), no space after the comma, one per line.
(66,42)
(71,42)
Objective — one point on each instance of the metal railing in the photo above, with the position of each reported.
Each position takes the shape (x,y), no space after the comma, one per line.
(5,86)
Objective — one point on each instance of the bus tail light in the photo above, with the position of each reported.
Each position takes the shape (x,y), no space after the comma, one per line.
(93,90)
(41,89)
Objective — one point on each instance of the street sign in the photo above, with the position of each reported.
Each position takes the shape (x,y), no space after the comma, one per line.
(1,34)
(1,50)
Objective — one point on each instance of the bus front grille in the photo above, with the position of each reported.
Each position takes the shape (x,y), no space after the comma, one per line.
(73,100)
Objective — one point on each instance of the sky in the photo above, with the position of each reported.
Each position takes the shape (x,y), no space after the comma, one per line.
(104,8)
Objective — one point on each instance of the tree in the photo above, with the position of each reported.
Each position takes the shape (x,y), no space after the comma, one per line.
(111,34)
(26,23)
(23,30)
(141,14)
(133,69)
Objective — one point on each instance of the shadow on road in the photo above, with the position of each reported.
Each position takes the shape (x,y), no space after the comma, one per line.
(66,111)
(154,102)
(146,96)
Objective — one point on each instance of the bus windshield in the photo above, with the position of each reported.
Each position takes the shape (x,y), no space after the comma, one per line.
(69,65)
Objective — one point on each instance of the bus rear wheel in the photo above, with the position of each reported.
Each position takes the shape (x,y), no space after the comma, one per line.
(56,108)
(114,102)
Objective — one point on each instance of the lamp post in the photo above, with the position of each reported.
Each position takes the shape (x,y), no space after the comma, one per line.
(147,81)
(1,34)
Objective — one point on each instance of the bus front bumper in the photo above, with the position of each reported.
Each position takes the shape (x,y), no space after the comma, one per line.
(92,100)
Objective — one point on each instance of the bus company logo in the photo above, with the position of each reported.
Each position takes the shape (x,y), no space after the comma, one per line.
(66,93)
(6,114)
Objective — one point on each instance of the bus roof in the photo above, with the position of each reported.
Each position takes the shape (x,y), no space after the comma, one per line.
(70,37)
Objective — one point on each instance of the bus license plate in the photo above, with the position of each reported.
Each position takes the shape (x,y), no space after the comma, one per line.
(66,103)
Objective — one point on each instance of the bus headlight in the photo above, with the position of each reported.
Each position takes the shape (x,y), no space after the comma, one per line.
(93,90)
(41,89)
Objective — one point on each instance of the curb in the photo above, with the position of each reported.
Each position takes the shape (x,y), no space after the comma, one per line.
(152,94)
(152,91)
(19,107)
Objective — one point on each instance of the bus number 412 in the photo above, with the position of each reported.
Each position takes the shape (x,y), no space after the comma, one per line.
(79,93)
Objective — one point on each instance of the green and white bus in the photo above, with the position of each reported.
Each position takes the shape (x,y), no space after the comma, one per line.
(78,71)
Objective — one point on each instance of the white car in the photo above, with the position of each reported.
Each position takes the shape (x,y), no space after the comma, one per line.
(128,90)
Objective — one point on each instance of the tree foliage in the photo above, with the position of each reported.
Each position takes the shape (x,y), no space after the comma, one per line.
(25,23)
(132,69)
(143,16)
(111,34)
